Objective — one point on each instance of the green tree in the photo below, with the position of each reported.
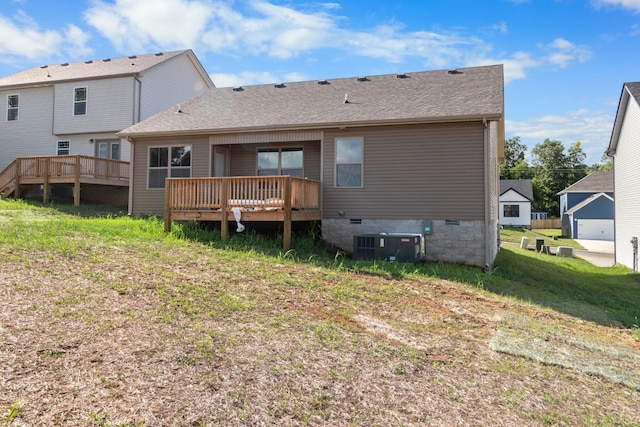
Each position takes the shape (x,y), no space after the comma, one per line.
(605,164)
(515,166)
(553,171)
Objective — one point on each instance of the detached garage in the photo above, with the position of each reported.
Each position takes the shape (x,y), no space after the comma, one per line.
(585,220)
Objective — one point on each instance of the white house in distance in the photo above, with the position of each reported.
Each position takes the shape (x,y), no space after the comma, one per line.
(516,196)
(77,108)
(624,147)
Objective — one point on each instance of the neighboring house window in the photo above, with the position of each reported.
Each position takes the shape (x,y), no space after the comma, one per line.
(12,107)
(174,162)
(80,101)
(108,150)
(511,211)
(349,155)
(280,161)
(63,148)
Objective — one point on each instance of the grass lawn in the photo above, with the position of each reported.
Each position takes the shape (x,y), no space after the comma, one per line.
(551,237)
(108,321)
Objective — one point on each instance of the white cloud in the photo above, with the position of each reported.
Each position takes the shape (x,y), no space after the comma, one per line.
(22,37)
(243,79)
(591,128)
(515,66)
(633,5)
(134,25)
(76,42)
(562,53)
(276,31)
(259,27)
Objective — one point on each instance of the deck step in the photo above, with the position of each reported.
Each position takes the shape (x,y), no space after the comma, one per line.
(7,192)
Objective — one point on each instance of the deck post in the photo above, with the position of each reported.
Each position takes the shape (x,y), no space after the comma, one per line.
(16,185)
(224,200)
(76,183)
(167,206)
(286,234)
(45,186)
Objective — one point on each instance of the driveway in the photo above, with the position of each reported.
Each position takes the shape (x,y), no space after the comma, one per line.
(597,252)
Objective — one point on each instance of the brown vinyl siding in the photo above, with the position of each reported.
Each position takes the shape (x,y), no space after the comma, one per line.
(420,171)
(243,158)
(147,202)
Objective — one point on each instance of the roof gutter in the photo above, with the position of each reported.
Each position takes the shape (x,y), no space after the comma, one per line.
(311,126)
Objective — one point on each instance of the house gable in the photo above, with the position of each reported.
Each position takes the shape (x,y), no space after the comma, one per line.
(513,196)
(524,187)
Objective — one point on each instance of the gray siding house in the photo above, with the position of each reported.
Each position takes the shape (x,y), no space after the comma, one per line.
(390,152)
(77,108)
(586,207)
(624,147)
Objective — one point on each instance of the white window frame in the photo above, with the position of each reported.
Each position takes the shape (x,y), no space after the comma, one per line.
(10,108)
(59,148)
(337,163)
(279,150)
(169,166)
(76,102)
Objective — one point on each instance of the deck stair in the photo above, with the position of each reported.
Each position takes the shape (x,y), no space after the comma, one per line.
(8,179)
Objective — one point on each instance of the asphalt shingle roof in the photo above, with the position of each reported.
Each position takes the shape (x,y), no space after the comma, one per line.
(431,96)
(127,65)
(522,186)
(595,182)
(634,89)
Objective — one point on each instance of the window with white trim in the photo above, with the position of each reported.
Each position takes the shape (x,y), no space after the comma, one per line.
(174,162)
(280,161)
(348,162)
(80,101)
(63,148)
(13,102)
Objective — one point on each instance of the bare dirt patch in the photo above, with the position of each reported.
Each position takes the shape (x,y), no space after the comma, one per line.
(189,336)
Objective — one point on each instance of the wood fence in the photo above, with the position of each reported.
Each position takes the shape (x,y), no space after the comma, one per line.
(546,223)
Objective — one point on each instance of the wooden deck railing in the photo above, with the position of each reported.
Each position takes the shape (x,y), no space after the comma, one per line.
(71,166)
(72,169)
(264,198)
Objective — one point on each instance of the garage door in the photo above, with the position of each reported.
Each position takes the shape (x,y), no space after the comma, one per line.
(595,229)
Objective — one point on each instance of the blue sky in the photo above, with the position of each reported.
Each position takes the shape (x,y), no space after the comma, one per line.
(565,61)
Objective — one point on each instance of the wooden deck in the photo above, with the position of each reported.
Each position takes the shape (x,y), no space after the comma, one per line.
(256,198)
(25,172)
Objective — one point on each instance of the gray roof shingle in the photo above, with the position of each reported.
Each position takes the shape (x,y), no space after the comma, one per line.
(634,90)
(524,187)
(595,182)
(431,96)
(127,65)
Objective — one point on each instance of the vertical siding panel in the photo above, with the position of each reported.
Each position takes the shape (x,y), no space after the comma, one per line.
(109,106)
(30,135)
(627,184)
(147,202)
(422,171)
(158,95)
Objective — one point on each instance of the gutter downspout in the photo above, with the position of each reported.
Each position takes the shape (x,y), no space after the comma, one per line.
(136,114)
(487,199)
(132,153)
